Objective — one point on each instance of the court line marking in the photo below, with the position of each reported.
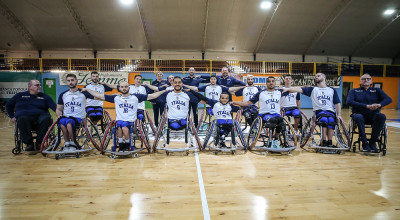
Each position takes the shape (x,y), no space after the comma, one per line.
(206,211)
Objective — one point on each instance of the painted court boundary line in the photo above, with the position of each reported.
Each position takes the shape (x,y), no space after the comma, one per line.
(204,203)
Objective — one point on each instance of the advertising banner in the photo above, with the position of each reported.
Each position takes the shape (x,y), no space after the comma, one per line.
(113,78)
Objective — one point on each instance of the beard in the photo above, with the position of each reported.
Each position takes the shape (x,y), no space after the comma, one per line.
(177,88)
(72,86)
(317,81)
(95,81)
(250,83)
(125,92)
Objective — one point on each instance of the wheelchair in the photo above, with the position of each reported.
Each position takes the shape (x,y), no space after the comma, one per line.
(246,116)
(313,130)
(263,131)
(19,145)
(291,120)
(165,132)
(205,121)
(85,141)
(357,143)
(138,131)
(215,141)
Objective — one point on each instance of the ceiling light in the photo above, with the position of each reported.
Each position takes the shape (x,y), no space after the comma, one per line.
(126,2)
(389,12)
(266,5)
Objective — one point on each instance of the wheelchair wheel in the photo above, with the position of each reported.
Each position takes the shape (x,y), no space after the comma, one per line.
(303,122)
(143,135)
(342,135)
(93,134)
(238,116)
(160,130)
(351,129)
(239,133)
(82,135)
(254,133)
(202,119)
(208,135)
(108,136)
(287,136)
(194,132)
(308,131)
(153,129)
(52,139)
(383,140)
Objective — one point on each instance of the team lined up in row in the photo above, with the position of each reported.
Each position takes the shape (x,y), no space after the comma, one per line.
(181,95)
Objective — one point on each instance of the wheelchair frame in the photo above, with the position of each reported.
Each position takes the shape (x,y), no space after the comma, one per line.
(214,133)
(302,123)
(164,132)
(287,137)
(313,130)
(137,132)
(52,140)
(382,139)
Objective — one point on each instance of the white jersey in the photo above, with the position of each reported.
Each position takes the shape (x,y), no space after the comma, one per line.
(138,90)
(126,106)
(74,103)
(249,92)
(322,98)
(222,111)
(178,105)
(289,100)
(269,101)
(98,88)
(213,92)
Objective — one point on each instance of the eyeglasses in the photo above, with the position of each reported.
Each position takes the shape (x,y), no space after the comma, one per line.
(366,79)
(37,85)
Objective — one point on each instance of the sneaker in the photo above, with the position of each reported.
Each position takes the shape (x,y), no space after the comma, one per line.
(223,145)
(275,144)
(374,149)
(366,148)
(29,147)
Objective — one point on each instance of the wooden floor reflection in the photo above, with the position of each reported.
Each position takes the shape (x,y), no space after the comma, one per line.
(243,186)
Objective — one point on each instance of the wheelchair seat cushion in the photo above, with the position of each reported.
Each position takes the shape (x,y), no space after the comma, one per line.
(177,124)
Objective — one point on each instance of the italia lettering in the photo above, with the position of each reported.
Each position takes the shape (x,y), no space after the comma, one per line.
(223,113)
(125,105)
(271,100)
(67,104)
(324,97)
(178,103)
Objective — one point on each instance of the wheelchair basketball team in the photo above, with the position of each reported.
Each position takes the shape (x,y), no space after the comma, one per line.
(270,117)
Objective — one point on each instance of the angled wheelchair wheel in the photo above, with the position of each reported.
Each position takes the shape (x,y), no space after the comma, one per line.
(342,135)
(287,136)
(303,121)
(202,118)
(208,135)
(238,116)
(352,130)
(143,134)
(239,133)
(52,139)
(160,130)
(193,131)
(307,131)
(107,137)
(254,133)
(383,140)
(93,134)
(152,127)
(17,140)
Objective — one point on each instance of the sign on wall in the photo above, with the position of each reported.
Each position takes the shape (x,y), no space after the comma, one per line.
(113,78)
(13,82)
(298,80)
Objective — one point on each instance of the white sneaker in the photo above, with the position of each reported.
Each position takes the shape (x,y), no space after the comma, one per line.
(275,144)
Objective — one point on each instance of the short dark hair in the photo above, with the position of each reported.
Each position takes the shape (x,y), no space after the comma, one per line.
(177,77)
(94,72)
(71,75)
(224,93)
(213,76)
(138,76)
(287,75)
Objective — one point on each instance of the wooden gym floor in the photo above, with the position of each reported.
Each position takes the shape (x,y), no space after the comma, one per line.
(242,186)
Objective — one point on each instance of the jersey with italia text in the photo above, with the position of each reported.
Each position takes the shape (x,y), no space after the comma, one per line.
(222,111)
(126,106)
(269,101)
(290,100)
(213,91)
(74,103)
(322,98)
(139,90)
(178,105)
(248,92)
(100,89)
